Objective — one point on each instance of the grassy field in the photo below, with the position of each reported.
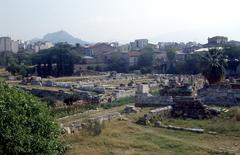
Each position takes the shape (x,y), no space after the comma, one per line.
(127,137)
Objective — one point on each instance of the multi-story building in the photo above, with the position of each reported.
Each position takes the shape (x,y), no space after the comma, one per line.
(99,51)
(42,46)
(141,43)
(14,46)
(138,44)
(22,45)
(217,40)
(133,57)
(5,44)
(170,45)
(133,46)
(124,48)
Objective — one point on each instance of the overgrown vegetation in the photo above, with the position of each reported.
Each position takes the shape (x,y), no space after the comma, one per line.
(57,61)
(215,70)
(62,112)
(94,127)
(227,123)
(127,137)
(26,124)
(120,102)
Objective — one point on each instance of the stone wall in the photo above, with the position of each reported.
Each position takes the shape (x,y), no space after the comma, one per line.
(221,95)
(78,125)
(124,93)
(147,100)
(48,93)
(191,107)
(154,113)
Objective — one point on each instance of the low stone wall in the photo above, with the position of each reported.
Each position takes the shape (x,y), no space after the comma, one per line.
(153,113)
(77,126)
(147,100)
(46,93)
(124,93)
(191,107)
(221,95)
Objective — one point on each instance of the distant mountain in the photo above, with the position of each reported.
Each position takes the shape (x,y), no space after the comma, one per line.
(61,36)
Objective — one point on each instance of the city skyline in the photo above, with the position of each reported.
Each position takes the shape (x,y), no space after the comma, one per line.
(123,21)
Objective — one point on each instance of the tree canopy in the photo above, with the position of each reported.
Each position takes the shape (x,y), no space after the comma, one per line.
(58,61)
(171,53)
(146,58)
(26,124)
(215,60)
(119,64)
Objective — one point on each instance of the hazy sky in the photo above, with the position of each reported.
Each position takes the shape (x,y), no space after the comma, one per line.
(122,20)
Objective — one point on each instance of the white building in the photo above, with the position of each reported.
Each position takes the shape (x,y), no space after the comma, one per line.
(218,40)
(14,47)
(141,43)
(42,46)
(124,48)
(5,44)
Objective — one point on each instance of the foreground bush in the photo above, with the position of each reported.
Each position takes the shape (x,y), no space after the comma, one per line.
(26,126)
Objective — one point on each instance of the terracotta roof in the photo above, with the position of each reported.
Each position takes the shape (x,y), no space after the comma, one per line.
(134,54)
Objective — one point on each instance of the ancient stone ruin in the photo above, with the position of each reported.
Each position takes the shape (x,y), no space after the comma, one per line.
(223,94)
(131,109)
(191,107)
(195,130)
(78,125)
(146,119)
(144,99)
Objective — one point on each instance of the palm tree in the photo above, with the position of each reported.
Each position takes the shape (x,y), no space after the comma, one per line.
(215,62)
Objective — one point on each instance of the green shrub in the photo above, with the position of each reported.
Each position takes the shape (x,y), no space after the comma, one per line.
(26,124)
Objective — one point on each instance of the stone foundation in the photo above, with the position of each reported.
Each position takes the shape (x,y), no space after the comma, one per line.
(147,100)
(190,107)
(220,95)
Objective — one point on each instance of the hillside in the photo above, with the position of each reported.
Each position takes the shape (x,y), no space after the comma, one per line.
(61,36)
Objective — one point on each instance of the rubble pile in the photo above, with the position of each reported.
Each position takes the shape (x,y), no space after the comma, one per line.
(191,107)
(131,109)
(153,113)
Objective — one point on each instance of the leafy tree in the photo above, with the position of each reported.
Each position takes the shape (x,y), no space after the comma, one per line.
(171,54)
(119,64)
(26,124)
(233,55)
(193,64)
(58,61)
(22,69)
(7,58)
(13,68)
(24,57)
(215,61)
(232,52)
(146,58)
(99,68)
